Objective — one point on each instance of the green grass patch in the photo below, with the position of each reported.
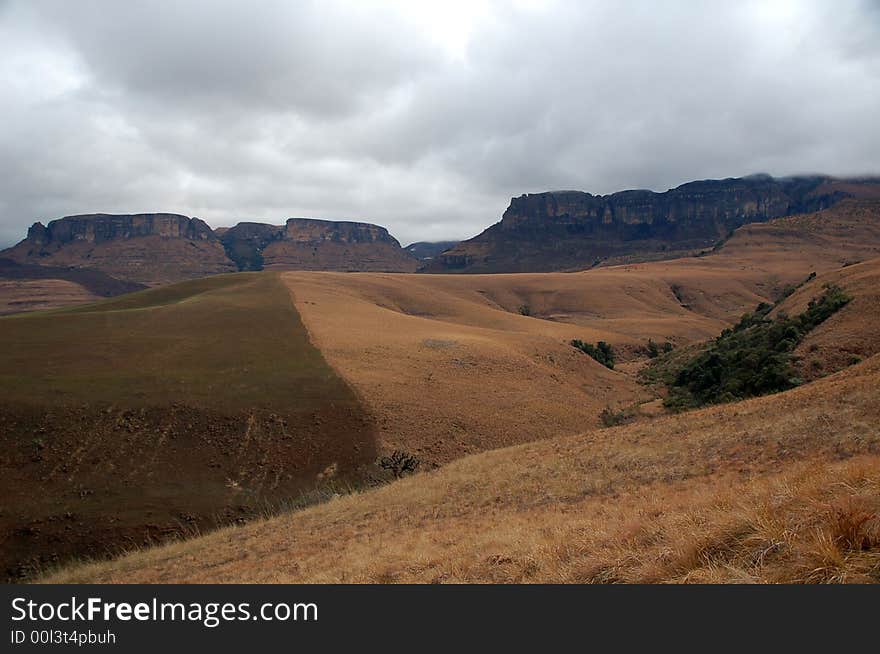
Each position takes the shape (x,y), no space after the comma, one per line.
(229,341)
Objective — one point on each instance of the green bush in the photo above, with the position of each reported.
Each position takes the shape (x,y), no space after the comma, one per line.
(752,358)
(601,351)
(653,350)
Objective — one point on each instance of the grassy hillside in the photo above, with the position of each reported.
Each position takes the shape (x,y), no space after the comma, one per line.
(215,342)
(779,488)
(452,366)
(162,412)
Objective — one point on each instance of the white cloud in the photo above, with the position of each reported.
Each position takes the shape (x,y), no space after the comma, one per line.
(424,117)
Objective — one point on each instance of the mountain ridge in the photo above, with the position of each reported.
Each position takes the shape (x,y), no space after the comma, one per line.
(571,230)
(158,248)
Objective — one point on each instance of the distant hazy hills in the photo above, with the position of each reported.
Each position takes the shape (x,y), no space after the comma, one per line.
(426,250)
(553,231)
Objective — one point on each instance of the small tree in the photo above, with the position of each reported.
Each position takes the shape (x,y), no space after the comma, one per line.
(399,463)
(601,351)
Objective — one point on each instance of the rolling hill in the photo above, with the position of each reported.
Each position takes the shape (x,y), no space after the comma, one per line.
(783,488)
(450,366)
(163,412)
(28,287)
(446,366)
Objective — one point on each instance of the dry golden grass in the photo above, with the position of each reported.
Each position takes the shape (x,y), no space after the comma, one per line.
(850,335)
(784,488)
(780,488)
(450,367)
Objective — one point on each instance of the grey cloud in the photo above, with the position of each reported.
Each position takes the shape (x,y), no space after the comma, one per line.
(233,110)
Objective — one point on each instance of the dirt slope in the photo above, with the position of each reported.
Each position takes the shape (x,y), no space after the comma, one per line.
(780,488)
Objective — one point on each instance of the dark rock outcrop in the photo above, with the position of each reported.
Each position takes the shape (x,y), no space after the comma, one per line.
(245,243)
(567,230)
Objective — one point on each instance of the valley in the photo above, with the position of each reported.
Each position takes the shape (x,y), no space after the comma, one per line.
(188,431)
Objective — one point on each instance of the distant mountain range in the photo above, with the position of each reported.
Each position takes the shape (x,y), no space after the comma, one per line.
(159,248)
(572,230)
(552,231)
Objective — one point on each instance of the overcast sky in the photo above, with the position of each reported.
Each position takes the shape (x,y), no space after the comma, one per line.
(424,117)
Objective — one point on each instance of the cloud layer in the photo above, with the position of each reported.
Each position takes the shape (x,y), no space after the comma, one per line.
(423,117)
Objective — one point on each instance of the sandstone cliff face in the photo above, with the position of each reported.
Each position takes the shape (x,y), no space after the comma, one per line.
(565,230)
(305,244)
(161,248)
(143,248)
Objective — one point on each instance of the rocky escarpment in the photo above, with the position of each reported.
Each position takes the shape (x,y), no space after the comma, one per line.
(147,249)
(566,230)
(160,248)
(306,244)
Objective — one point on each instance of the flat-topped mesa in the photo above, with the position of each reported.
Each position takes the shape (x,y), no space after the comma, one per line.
(307,244)
(147,248)
(563,230)
(101,227)
(308,230)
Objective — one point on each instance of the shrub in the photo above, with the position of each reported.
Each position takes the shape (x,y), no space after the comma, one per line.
(525,310)
(611,418)
(601,351)
(752,358)
(399,463)
(653,350)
